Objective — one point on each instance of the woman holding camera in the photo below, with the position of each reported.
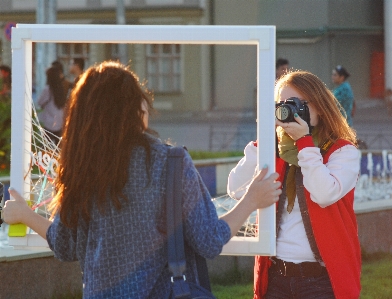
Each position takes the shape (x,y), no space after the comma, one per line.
(318,252)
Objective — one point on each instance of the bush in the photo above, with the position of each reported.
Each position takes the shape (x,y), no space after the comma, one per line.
(200,155)
(5,134)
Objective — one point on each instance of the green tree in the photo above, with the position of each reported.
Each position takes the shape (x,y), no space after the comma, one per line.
(5,133)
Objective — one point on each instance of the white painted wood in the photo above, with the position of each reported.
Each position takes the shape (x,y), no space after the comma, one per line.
(263,37)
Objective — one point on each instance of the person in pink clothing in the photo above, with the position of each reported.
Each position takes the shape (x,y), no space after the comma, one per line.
(5,80)
(318,252)
(52,101)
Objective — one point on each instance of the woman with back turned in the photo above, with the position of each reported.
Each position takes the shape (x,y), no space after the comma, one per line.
(109,207)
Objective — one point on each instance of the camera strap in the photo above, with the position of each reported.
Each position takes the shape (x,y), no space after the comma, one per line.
(325,146)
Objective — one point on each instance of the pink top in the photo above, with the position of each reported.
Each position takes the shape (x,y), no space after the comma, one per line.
(51,117)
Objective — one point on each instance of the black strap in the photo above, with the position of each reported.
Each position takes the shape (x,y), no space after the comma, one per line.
(305,215)
(176,254)
(202,271)
(177,262)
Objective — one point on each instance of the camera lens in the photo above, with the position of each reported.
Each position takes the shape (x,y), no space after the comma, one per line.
(282,113)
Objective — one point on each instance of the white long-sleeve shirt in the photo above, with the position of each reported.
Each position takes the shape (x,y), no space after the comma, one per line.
(326,183)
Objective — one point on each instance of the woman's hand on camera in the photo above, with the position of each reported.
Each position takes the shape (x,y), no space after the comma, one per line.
(296,129)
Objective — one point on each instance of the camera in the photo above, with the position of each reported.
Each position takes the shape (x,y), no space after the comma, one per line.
(285,110)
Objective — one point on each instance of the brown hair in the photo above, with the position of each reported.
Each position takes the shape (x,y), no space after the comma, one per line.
(103,124)
(332,124)
(342,71)
(53,79)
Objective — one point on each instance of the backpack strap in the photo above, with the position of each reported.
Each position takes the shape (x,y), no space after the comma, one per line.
(174,222)
(175,243)
(173,194)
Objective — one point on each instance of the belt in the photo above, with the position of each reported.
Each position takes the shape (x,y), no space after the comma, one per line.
(305,269)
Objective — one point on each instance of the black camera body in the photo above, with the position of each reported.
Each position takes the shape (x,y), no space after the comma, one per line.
(285,110)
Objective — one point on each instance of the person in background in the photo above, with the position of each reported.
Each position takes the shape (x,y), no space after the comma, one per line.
(52,102)
(5,80)
(76,68)
(318,253)
(5,117)
(343,92)
(282,66)
(109,208)
(67,85)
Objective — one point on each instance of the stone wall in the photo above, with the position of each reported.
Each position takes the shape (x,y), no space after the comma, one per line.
(44,276)
(374,230)
(39,278)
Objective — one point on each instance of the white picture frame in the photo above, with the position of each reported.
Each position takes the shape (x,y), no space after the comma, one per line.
(263,37)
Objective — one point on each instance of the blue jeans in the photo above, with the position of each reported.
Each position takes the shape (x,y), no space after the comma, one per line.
(281,287)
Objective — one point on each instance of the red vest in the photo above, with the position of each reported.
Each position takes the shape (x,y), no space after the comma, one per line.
(336,234)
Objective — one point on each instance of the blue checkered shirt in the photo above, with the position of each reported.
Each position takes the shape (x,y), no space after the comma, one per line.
(123,253)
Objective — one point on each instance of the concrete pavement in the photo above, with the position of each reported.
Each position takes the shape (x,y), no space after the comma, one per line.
(232,130)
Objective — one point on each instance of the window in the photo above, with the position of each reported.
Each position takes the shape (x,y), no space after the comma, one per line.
(164,67)
(66,52)
(164,2)
(114,52)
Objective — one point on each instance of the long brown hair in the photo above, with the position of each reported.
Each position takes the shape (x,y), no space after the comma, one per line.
(53,79)
(104,122)
(332,124)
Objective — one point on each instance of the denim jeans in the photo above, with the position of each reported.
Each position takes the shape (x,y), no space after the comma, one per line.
(281,287)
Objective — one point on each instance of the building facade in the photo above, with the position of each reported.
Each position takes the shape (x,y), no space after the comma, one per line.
(314,35)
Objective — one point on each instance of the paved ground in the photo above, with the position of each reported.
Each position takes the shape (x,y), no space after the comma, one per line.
(373,124)
(232,130)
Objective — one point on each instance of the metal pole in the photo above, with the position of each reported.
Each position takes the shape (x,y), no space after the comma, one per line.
(120,16)
(212,60)
(51,54)
(388,43)
(40,63)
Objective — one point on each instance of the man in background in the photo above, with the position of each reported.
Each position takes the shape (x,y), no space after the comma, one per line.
(282,66)
(67,85)
(76,68)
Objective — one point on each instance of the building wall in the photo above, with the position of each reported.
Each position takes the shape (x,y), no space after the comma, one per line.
(195,93)
(355,50)
(235,76)
(235,65)
(348,33)
(300,14)
(23,5)
(348,40)
(315,35)
(355,12)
